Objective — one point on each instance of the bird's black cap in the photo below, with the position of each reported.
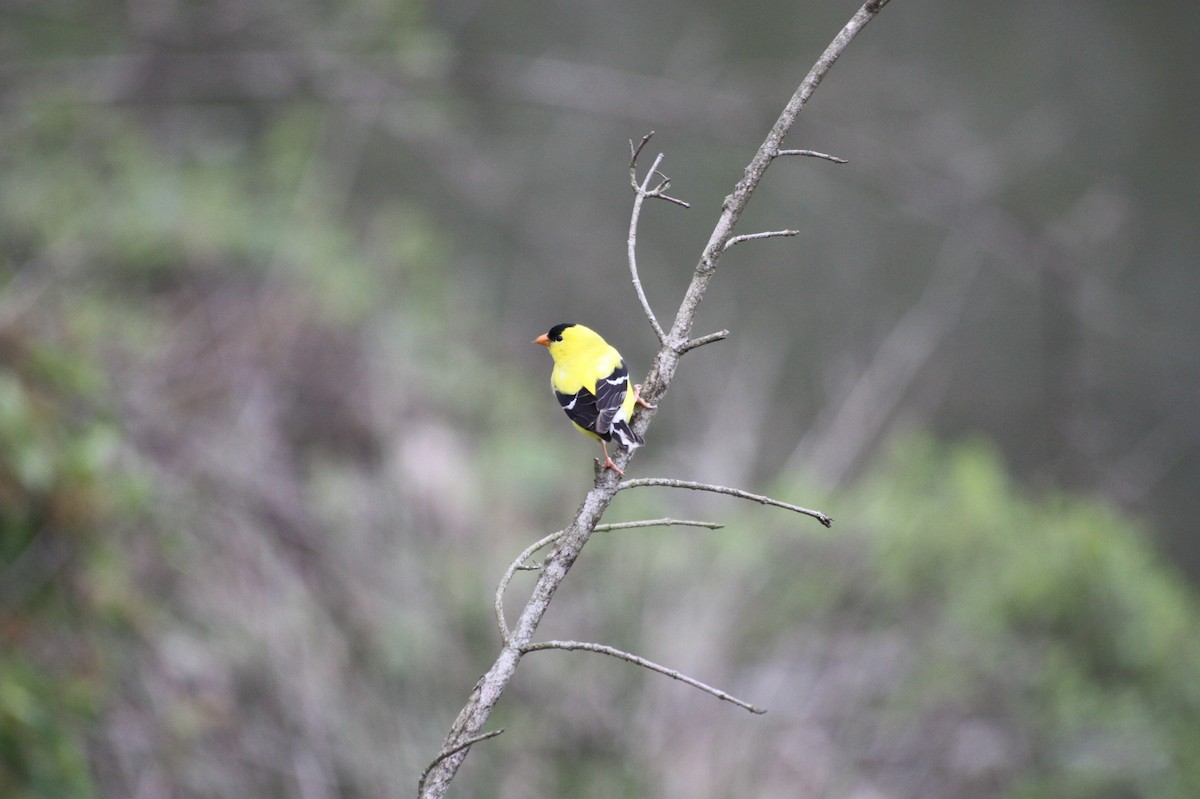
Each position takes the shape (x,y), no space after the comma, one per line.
(556,332)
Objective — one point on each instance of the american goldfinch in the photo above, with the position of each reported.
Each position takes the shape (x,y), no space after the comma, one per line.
(592,385)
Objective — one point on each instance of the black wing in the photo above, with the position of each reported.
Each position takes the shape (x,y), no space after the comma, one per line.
(581,409)
(610,395)
(596,411)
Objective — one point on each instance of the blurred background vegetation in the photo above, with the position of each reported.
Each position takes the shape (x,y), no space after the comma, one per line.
(271,427)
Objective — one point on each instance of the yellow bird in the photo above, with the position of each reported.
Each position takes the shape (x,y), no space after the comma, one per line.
(592,385)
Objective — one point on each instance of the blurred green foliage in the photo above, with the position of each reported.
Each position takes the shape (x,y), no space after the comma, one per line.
(1055,610)
(58,493)
(43,724)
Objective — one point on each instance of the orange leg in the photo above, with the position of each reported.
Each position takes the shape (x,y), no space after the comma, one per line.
(637,397)
(608,462)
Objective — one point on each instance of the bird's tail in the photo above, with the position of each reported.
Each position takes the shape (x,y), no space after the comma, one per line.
(626,438)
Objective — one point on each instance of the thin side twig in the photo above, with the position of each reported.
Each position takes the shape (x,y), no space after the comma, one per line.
(664,522)
(604,528)
(445,753)
(720,335)
(768,234)
(811,154)
(635,151)
(668,482)
(521,564)
(512,569)
(571,646)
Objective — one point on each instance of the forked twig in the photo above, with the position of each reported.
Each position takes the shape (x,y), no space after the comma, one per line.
(642,192)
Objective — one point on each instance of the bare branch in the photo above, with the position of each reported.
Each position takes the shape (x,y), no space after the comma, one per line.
(445,753)
(720,335)
(668,482)
(769,234)
(571,646)
(810,154)
(487,691)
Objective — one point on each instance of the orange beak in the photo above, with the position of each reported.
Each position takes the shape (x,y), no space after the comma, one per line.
(543,339)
